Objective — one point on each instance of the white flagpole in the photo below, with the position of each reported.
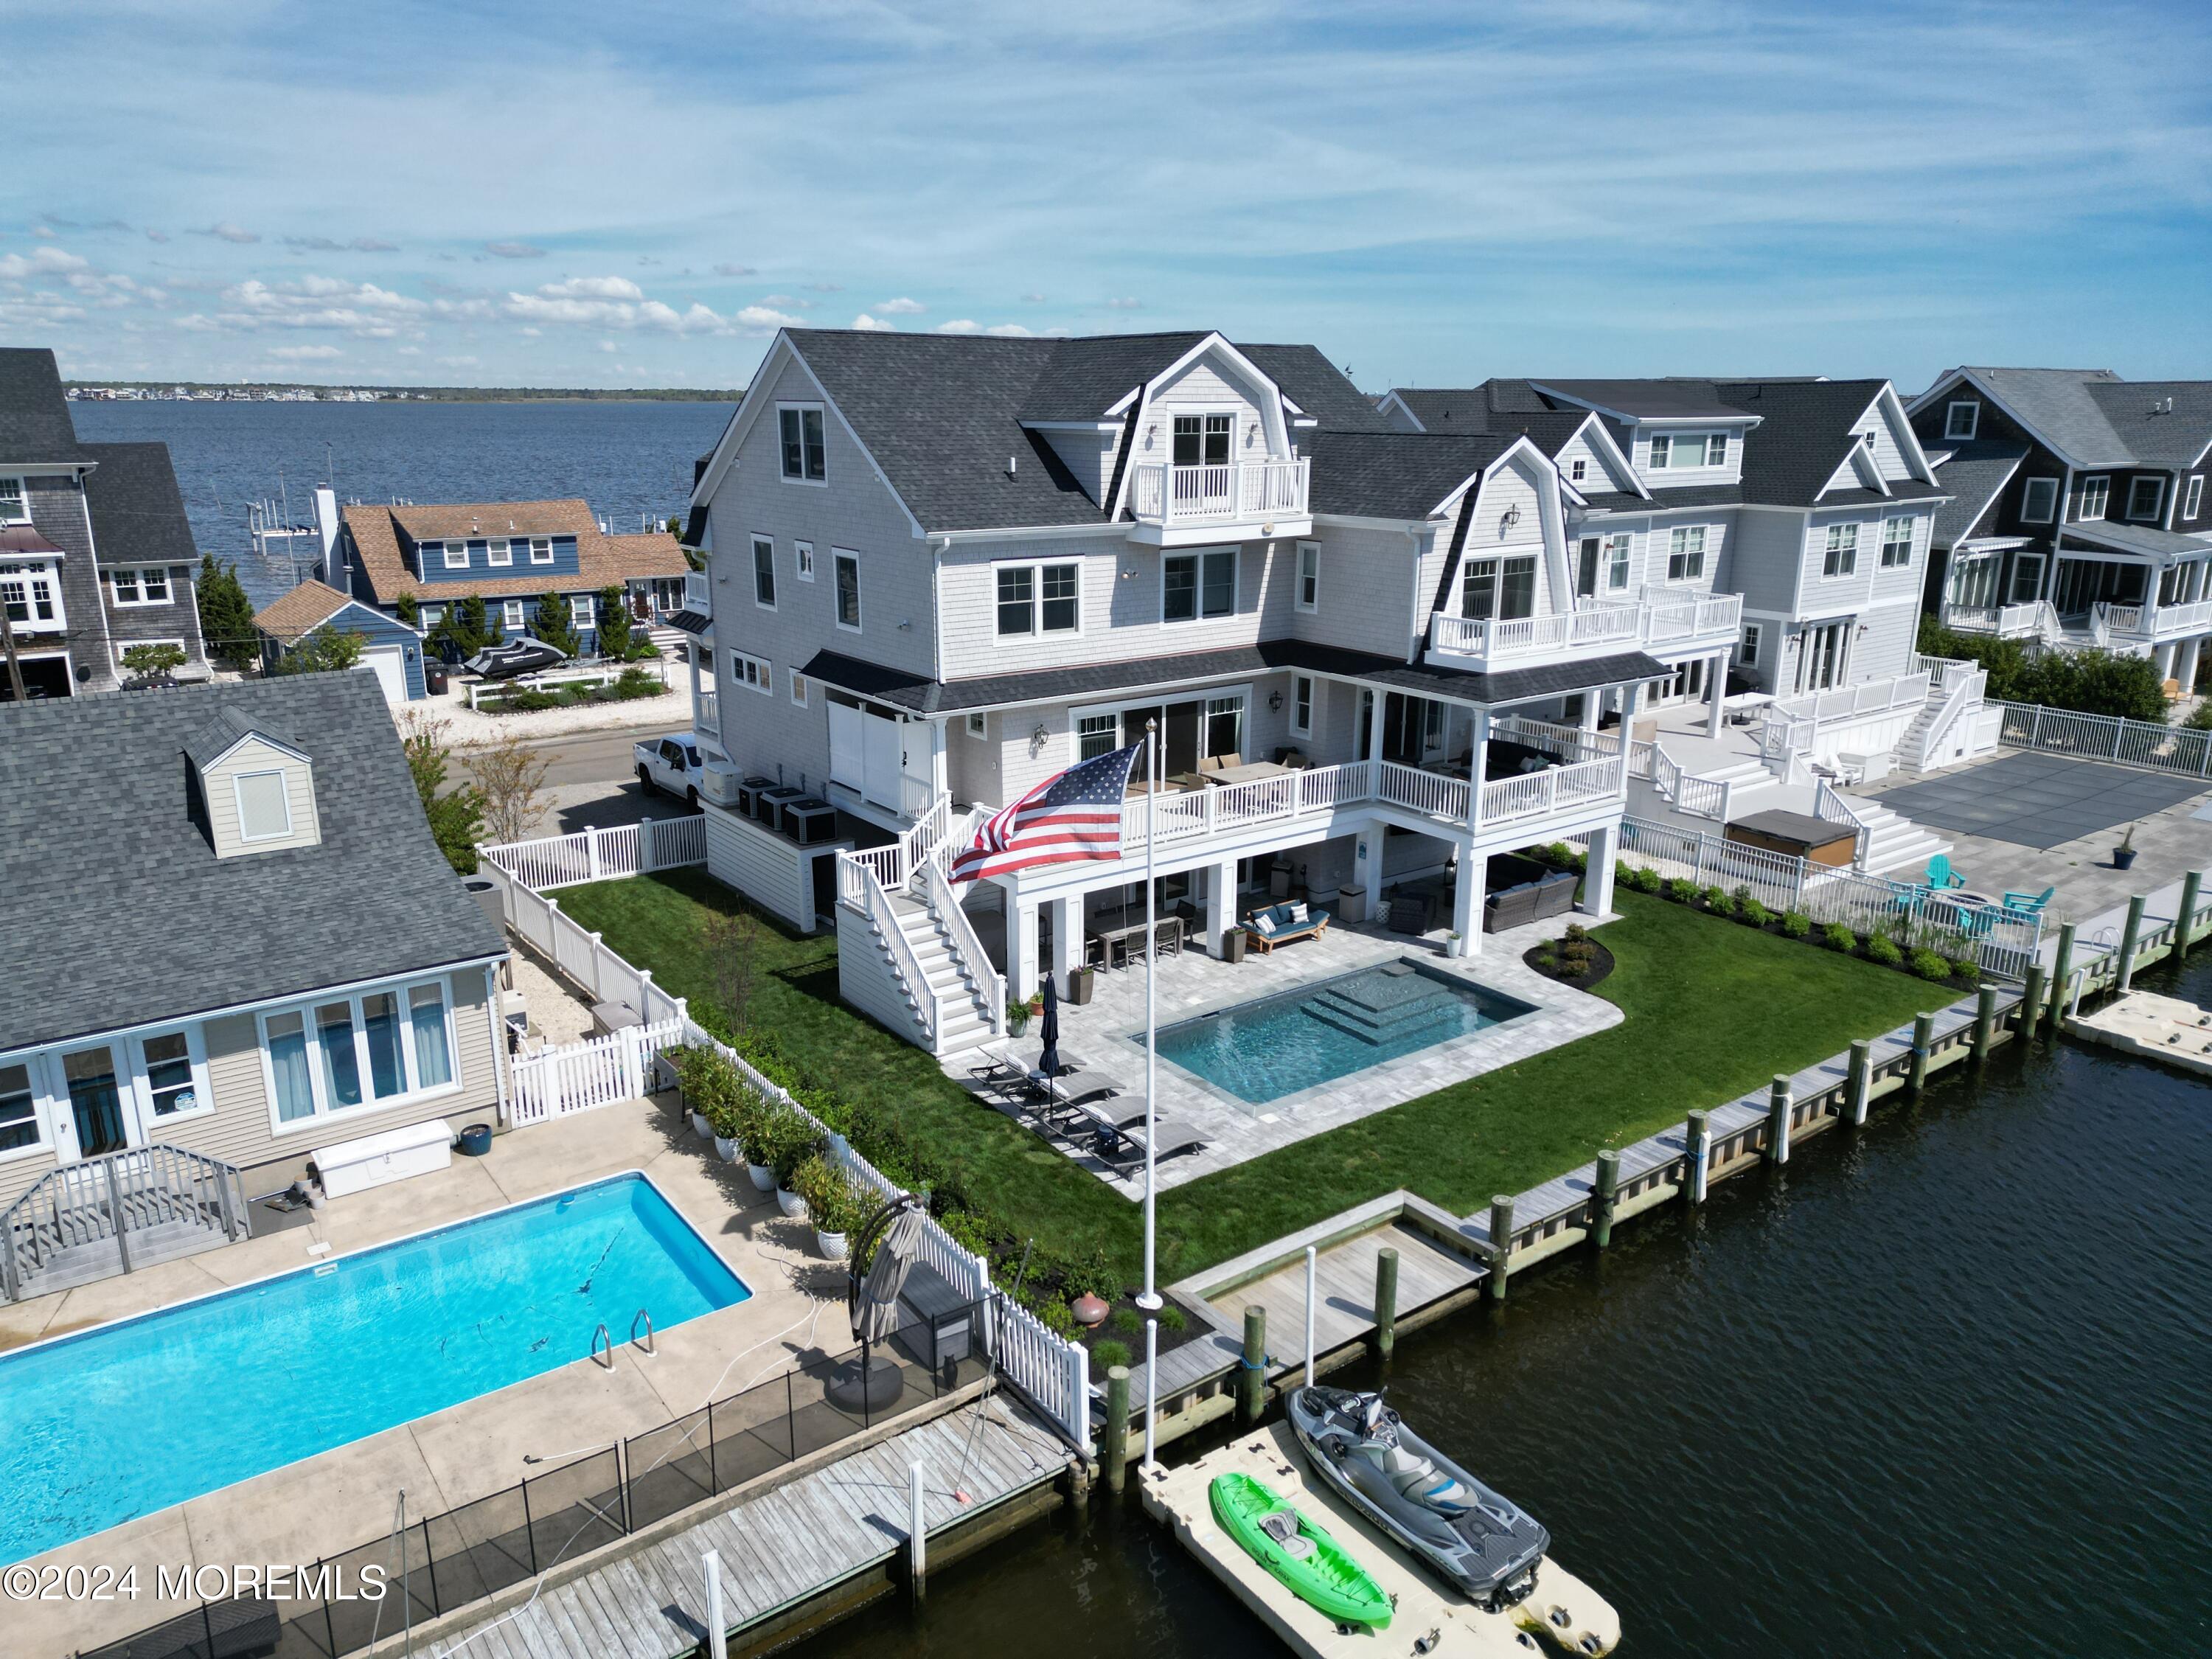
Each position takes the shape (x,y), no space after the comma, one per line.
(1150,1299)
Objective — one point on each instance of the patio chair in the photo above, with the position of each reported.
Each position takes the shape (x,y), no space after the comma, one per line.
(1940,875)
(2029,904)
(1170,1137)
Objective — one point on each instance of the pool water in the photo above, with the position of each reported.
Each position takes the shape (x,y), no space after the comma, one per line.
(1261,1051)
(130,1418)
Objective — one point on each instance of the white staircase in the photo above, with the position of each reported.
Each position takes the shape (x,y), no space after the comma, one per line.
(966,1013)
(1893,841)
(669,641)
(907,952)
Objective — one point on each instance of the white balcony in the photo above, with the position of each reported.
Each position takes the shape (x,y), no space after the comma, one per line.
(1179,504)
(1677,624)
(698,594)
(2156,623)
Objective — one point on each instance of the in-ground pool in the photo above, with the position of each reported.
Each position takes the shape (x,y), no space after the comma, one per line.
(130,1418)
(1260,1051)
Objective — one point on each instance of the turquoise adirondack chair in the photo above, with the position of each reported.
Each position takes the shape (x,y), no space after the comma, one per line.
(2029,904)
(1942,876)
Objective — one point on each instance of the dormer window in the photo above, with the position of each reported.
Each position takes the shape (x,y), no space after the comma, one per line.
(1962,419)
(264,809)
(541,550)
(1676,451)
(2145,496)
(1203,440)
(457,556)
(500,551)
(14,508)
(256,791)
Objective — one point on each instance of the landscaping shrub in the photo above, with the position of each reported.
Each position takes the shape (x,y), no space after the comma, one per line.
(1107,1353)
(1837,936)
(1575,932)
(1883,951)
(1128,1319)
(1646,880)
(1681,890)
(1753,913)
(1930,965)
(1795,924)
(1172,1318)
(1967,969)
(1718,902)
(1055,1315)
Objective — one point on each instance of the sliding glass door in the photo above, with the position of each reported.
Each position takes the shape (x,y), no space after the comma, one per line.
(96,1101)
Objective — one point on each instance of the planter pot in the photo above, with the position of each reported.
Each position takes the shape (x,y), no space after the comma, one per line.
(763,1177)
(1233,941)
(1089,1311)
(726,1149)
(701,1127)
(788,1201)
(2124,858)
(1080,985)
(831,1245)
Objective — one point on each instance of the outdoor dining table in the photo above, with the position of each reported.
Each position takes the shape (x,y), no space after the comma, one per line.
(1121,939)
(1251,771)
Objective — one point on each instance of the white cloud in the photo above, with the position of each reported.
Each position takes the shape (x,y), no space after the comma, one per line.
(229,232)
(1008,331)
(762,317)
(46,231)
(902,306)
(960,326)
(606,345)
(1123,305)
(872,325)
(514,250)
(41,262)
(306,354)
(788,302)
(592,288)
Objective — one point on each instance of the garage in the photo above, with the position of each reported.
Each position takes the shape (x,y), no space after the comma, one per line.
(390,662)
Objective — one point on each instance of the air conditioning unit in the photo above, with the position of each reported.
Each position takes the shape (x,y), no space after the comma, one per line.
(719,783)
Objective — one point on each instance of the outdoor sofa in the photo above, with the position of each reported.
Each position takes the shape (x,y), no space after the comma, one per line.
(1280,924)
(1523,891)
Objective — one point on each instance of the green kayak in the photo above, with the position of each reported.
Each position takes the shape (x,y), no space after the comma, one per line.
(1314,1566)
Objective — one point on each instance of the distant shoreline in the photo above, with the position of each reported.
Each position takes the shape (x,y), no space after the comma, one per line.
(296,391)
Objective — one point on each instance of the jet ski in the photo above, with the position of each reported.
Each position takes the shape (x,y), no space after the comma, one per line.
(1480,1542)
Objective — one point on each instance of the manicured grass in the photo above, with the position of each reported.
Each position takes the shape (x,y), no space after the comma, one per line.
(1711,1009)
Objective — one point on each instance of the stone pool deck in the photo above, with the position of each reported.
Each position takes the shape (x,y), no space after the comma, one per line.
(1099,1037)
(340,1498)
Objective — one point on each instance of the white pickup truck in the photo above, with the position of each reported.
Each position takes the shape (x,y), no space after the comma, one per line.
(672,764)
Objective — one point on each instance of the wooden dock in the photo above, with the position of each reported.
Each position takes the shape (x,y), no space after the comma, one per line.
(780,1548)
(1428,1618)
(1344,1289)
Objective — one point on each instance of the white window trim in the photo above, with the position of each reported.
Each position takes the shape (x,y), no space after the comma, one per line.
(1705,532)
(1298,593)
(2157,500)
(2192,497)
(536,542)
(237,800)
(2104,503)
(456,555)
(1037,630)
(753,545)
(583,611)
(401,992)
(1313,696)
(499,552)
(21,514)
(1201,412)
(1748,643)
(1882,561)
(805,551)
(1973,408)
(43,1106)
(138,575)
(141,1082)
(432,615)
(1577,469)
(798,689)
(1199,619)
(979,725)
(36,574)
(2050,512)
(859,607)
(1202,695)
(763,679)
(1704,439)
(822,483)
(1625,565)
(511,616)
(1849,549)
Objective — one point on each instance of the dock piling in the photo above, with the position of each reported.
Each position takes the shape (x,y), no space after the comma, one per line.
(1386,1300)
(1859,1083)
(1608,1192)
(1924,1039)
(2130,938)
(917,1544)
(1252,1378)
(1152,1394)
(1114,1452)
(1985,1021)
(718,1623)
(1501,1244)
(2062,971)
(1698,1132)
(1313,1258)
(2189,884)
(2030,1000)
(1778,1109)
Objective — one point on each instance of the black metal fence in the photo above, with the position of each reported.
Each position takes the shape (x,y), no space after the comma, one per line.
(451,1560)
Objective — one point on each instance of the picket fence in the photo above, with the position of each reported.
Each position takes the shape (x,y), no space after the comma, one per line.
(629,849)
(582,1077)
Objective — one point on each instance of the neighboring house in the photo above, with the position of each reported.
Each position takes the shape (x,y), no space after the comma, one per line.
(2079,514)
(942,568)
(96,554)
(510,553)
(236,937)
(1811,500)
(389,647)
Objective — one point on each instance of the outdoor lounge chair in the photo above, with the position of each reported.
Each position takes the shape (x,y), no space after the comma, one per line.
(2030,904)
(1280,924)
(1940,875)
(1169,1136)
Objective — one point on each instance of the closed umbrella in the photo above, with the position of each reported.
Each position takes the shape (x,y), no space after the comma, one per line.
(869,1384)
(1048,1062)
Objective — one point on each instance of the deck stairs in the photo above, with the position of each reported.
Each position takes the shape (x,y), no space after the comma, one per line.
(115,1214)
(968,1011)
(1894,841)
(671,642)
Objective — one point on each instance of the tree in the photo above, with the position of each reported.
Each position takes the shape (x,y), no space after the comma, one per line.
(732,943)
(407,610)
(509,774)
(464,626)
(227,615)
(146,660)
(325,651)
(553,624)
(456,816)
(615,623)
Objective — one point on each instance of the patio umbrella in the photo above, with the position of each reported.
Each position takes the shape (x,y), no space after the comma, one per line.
(874,1301)
(1048,1062)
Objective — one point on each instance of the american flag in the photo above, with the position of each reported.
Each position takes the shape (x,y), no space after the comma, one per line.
(1075,814)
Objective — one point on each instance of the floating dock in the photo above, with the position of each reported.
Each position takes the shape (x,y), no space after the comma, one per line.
(2166,1030)
(1564,1615)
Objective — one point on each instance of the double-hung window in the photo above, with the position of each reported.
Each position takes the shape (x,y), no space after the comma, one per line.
(581,607)
(1224,725)
(28,591)
(799,428)
(1016,601)
(2193,499)
(1685,553)
(1203,440)
(1747,651)
(511,616)
(1896,543)
(2089,505)
(541,550)
(752,673)
(1097,735)
(1717,449)
(19,1104)
(457,556)
(1616,552)
(1308,596)
(1962,419)
(764,572)
(498,551)
(2038,502)
(14,507)
(1059,607)
(1038,599)
(2145,496)
(1842,555)
(139,586)
(1302,702)
(1198,587)
(846,574)
(172,1086)
(377,1045)
(1503,589)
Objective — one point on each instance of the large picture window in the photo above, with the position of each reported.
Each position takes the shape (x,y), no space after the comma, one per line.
(1198,587)
(1203,440)
(369,1048)
(1503,589)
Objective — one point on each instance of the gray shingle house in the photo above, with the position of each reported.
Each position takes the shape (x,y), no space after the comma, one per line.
(247,944)
(96,553)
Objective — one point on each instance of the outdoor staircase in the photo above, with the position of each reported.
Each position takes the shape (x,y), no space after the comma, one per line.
(968,1011)
(115,1214)
(669,641)
(1893,841)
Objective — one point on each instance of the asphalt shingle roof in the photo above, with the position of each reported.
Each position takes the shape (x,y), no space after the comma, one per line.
(296,614)
(1080,380)
(189,932)
(2056,404)
(137,512)
(601,559)
(1317,387)
(1974,473)
(35,415)
(1394,475)
(2154,434)
(2122,537)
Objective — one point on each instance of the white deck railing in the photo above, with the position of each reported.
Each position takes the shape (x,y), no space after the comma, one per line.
(1668,620)
(1555,789)
(1233,492)
(629,849)
(2102,736)
(2033,620)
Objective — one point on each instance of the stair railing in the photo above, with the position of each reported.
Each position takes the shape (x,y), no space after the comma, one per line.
(1832,805)
(92,1201)
(968,952)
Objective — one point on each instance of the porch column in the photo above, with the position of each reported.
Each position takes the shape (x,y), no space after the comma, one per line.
(1478,758)
(1220,904)
(1022,951)
(2189,651)
(1367,866)
(1467,902)
(1715,689)
(1066,938)
(1597,881)
(1375,725)
(2165,657)
(1588,720)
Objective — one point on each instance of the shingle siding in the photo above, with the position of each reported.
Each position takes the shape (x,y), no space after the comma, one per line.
(58,513)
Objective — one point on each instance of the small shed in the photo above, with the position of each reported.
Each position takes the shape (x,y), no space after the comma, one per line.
(389,647)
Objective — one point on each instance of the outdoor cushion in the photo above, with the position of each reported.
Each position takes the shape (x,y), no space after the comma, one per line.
(1264,920)
(1298,915)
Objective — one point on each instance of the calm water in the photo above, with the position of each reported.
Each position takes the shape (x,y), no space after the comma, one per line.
(625,459)
(1938,1388)
(226,1388)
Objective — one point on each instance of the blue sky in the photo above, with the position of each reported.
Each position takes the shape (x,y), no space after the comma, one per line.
(640,194)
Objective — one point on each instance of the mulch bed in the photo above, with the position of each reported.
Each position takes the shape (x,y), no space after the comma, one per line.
(1600,964)
(1194,1327)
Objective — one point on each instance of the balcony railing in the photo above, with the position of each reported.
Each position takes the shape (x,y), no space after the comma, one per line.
(707,711)
(2034,619)
(1236,492)
(698,594)
(1666,622)
(2156,622)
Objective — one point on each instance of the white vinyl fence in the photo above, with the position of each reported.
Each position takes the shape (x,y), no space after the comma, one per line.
(630,849)
(2104,736)
(582,1077)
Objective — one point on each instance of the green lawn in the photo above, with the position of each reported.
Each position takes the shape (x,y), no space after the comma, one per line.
(1712,1010)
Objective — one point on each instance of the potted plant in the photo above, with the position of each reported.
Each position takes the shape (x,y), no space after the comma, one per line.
(698,1078)
(1018,1016)
(1233,940)
(1082,982)
(722,1119)
(756,1133)
(2124,855)
(830,1203)
(795,1142)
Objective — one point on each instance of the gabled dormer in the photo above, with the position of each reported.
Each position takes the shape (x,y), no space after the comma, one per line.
(1675,434)
(254,790)
(1210,452)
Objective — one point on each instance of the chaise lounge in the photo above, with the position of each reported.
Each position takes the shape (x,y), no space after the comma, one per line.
(1280,924)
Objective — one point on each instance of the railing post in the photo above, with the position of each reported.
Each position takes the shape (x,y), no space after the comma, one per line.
(115,1214)
(591,853)
(645,849)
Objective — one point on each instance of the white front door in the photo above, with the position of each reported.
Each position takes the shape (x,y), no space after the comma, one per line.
(391,666)
(884,759)
(848,758)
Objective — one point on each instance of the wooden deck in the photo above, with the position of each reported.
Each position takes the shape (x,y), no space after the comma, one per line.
(1344,1291)
(778,1547)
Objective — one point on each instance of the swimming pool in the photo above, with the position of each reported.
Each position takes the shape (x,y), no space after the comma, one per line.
(130,1418)
(1260,1051)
